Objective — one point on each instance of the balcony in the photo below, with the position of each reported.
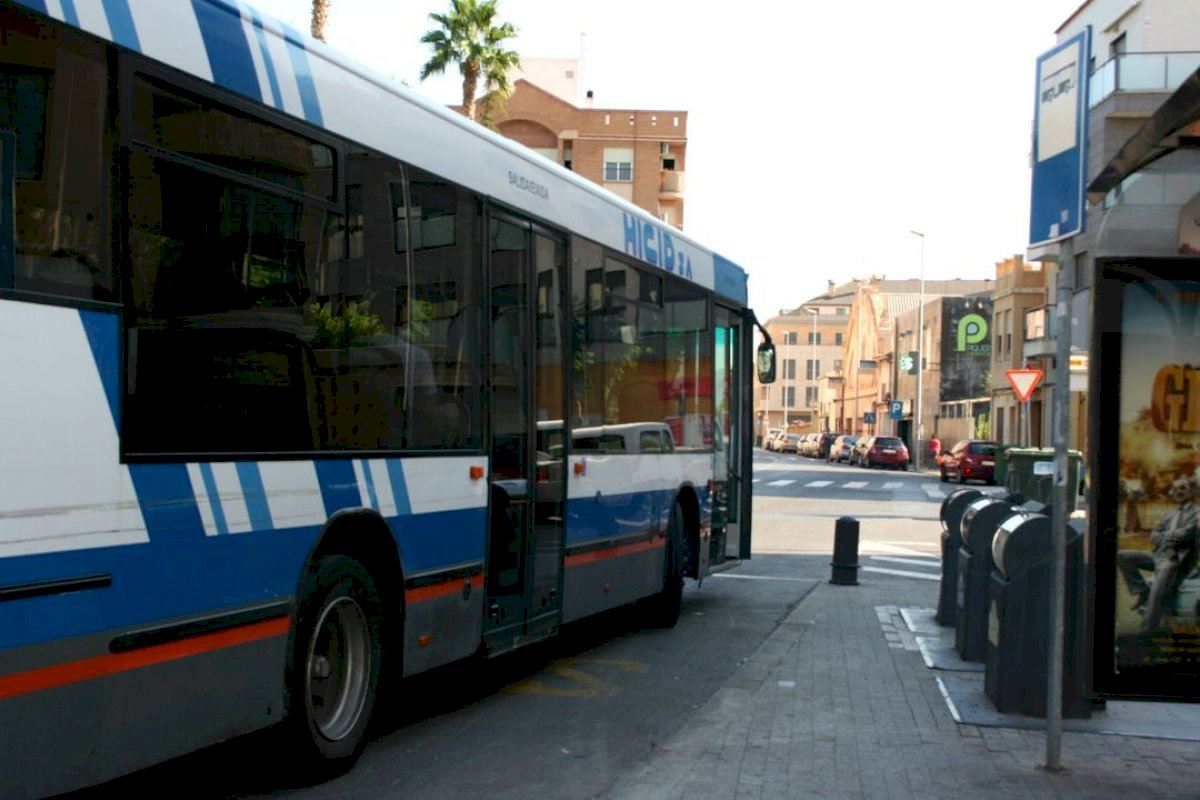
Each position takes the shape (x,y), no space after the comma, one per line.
(670,185)
(1140,72)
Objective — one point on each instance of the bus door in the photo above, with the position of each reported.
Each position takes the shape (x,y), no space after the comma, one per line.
(731,479)
(527,492)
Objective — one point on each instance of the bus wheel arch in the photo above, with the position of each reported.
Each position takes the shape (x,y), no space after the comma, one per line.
(346,639)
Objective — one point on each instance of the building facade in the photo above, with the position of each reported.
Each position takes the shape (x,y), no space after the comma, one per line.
(1141,52)
(1019,312)
(809,343)
(640,155)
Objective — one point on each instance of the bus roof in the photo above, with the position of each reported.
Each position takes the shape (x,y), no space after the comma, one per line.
(231,44)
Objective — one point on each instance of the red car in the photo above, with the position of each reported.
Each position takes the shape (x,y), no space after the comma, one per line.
(885,451)
(970,459)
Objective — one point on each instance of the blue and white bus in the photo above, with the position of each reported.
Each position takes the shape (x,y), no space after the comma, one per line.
(310,385)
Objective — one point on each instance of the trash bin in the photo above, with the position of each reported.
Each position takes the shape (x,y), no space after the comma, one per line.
(1000,469)
(978,526)
(1018,641)
(951,514)
(1030,472)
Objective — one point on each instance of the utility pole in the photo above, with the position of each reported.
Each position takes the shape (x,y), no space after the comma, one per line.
(920,354)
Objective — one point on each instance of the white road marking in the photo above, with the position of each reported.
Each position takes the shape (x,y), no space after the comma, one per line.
(902,573)
(889,547)
(854,485)
(914,561)
(757,480)
(784,482)
(818,484)
(756,577)
(893,485)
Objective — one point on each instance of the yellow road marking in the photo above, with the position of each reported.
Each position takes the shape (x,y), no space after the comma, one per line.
(579,683)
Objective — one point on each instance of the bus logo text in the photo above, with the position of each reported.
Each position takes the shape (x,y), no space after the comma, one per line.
(655,247)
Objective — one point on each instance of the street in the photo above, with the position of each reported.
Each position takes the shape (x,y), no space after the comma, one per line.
(573,717)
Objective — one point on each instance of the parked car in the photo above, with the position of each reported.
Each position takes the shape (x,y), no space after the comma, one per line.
(842,446)
(789,442)
(883,451)
(769,439)
(808,444)
(970,459)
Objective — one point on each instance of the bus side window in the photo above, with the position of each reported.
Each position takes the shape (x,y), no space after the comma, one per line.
(54,101)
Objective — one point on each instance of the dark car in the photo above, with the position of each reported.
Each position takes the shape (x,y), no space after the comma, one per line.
(884,451)
(825,442)
(971,459)
(842,446)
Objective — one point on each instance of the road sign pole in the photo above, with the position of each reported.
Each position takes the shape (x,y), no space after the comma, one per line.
(1058,516)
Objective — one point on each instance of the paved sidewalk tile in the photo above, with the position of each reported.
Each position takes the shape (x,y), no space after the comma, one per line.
(832,706)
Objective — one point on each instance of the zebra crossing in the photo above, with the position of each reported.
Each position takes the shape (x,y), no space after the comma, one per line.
(915,567)
(931,491)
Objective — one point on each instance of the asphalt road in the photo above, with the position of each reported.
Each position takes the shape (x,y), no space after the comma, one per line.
(567,719)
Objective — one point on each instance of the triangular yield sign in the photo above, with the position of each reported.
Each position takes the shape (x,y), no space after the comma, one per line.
(1024,381)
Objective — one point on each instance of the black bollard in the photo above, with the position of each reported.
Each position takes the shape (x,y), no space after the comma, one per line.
(845,552)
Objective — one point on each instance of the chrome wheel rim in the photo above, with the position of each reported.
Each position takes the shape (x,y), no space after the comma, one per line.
(338,669)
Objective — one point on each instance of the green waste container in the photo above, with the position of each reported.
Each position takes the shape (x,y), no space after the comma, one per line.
(1000,469)
(1030,471)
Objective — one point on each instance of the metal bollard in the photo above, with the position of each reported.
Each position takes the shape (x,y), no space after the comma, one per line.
(845,552)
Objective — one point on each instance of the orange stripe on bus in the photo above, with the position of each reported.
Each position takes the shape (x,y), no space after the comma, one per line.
(593,556)
(98,666)
(455,586)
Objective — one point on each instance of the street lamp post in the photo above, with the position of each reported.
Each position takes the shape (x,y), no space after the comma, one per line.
(812,352)
(920,353)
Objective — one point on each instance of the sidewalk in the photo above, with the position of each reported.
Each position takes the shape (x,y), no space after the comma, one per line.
(837,704)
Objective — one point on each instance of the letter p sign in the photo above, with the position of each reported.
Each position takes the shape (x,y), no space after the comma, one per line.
(972,329)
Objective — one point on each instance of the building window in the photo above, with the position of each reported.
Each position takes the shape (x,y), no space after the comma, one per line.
(810,396)
(618,164)
(838,338)
(814,335)
(789,337)
(837,365)
(812,369)
(841,312)
(789,397)
(789,369)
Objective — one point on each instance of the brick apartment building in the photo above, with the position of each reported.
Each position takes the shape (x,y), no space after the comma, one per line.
(637,154)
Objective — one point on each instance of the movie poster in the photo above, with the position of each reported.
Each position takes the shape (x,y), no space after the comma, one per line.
(1157,519)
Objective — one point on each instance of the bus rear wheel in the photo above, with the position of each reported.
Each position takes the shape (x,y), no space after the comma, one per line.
(335,666)
(665,606)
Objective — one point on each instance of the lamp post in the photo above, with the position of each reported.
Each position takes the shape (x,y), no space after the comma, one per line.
(812,352)
(920,353)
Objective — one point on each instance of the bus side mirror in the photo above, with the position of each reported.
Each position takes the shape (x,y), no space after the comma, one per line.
(766,363)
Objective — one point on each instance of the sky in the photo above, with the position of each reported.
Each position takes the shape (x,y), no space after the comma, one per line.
(819,133)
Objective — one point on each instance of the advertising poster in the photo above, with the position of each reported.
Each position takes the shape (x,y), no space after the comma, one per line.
(966,348)
(1148,504)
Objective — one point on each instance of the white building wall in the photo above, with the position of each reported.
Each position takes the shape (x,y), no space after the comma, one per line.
(1149,25)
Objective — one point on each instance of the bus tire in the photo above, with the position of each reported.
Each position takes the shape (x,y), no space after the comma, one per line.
(335,665)
(665,606)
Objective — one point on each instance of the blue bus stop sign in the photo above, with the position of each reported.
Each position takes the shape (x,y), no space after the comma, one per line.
(896,409)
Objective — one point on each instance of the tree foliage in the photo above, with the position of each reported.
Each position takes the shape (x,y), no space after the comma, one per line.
(470,36)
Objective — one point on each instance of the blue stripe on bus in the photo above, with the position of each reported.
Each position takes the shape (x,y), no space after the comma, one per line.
(228,49)
(214,499)
(120,22)
(250,477)
(298,53)
(103,337)
(729,279)
(164,492)
(265,51)
(70,15)
(370,481)
(339,487)
(395,470)
(36,5)
(198,574)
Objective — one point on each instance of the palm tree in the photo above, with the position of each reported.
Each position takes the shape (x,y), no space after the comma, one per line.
(320,15)
(470,37)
